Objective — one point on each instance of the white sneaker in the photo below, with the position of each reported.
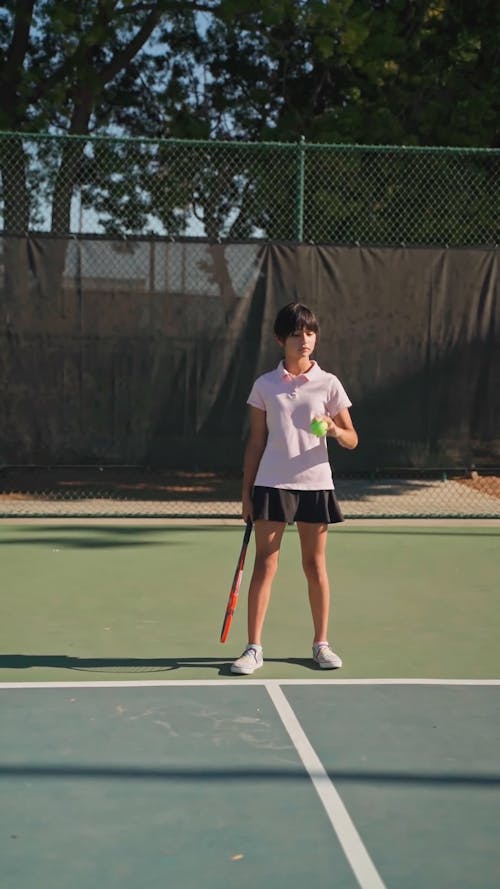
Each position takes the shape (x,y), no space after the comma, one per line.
(325,657)
(250,660)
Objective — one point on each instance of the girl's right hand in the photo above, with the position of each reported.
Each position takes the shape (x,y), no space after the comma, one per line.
(246,507)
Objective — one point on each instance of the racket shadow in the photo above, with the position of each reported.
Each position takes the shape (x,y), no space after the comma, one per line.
(130,665)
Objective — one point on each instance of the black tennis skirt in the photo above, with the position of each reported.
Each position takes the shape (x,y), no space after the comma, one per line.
(287,505)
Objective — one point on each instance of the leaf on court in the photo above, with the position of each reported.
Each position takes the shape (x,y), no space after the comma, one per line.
(237,857)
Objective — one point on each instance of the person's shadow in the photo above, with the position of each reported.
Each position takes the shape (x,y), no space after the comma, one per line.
(130,665)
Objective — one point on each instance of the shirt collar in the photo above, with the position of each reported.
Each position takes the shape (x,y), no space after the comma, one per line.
(308,375)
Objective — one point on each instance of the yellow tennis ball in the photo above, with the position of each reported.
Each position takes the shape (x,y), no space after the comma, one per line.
(319,428)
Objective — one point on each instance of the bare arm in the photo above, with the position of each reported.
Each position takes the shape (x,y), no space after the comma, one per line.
(253,452)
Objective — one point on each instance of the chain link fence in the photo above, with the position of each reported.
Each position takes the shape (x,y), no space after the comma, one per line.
(233,190)
(131,194)
(136,492)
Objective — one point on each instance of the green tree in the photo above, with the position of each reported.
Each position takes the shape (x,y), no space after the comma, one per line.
(76,67)
(373,72)
(415,72)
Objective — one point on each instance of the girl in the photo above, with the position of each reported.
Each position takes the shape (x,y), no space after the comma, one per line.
(287,476)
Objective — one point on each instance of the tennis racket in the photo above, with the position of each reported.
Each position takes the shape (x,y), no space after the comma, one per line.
(235,586)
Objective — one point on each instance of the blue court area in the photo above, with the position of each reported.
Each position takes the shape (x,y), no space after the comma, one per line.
(248,782)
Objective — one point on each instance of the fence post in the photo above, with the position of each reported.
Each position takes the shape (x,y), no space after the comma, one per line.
(300,189)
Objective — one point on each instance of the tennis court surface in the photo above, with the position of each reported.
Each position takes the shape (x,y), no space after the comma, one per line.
(131,757)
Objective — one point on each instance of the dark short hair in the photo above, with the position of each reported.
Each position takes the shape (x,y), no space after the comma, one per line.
(293,317)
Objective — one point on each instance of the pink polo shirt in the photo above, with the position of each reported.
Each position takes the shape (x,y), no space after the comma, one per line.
(293,457)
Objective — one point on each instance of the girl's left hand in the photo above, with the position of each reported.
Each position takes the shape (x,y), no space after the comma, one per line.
(332,429)
(341,429)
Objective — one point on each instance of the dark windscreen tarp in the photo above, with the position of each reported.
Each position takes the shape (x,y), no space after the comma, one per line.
(144,351)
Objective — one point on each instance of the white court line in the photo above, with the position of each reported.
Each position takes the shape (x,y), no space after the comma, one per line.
(241,681)
(359,860)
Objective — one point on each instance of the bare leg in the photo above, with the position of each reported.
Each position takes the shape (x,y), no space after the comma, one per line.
(313,539)
(268,537)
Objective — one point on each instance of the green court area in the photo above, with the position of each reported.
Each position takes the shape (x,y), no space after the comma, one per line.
(118,600)
(130,757)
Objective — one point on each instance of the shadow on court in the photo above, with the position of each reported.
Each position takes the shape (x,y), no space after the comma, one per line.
(81,537)
(132,665)
(109,772)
